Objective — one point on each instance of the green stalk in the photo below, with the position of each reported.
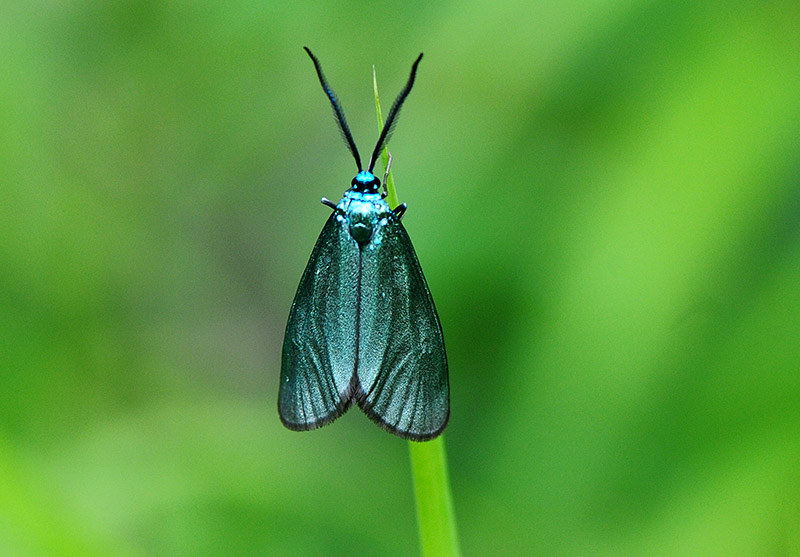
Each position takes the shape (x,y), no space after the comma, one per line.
(436,520)
(438,535)
(391,197)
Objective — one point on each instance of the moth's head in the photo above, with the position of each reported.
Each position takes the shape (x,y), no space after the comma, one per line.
(365,182)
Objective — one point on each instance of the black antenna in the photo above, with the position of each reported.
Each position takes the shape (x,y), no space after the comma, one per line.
(391,120)
(337,110)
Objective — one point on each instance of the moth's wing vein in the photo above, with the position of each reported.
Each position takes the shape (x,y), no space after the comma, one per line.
(402,366)
(320,341)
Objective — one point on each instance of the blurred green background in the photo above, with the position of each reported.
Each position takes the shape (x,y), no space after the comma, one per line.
(605,197)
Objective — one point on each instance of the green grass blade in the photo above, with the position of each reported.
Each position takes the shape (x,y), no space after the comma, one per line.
(391,197)
(438,534)
(436,521)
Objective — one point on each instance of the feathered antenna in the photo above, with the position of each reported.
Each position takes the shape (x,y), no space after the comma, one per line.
(338,112)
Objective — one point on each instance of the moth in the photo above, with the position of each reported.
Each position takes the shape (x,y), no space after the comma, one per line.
(363,327)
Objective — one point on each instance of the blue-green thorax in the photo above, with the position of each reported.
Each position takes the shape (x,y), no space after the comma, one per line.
(363,209)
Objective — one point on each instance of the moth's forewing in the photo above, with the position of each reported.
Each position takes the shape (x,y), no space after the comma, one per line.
(402,366)
(319,346)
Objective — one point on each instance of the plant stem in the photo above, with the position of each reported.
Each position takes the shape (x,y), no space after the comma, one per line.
(436,521)
(438,535)
(391,197)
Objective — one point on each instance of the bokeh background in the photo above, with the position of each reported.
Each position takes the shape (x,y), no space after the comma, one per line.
(605,197)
